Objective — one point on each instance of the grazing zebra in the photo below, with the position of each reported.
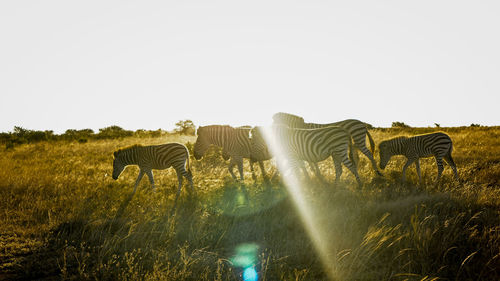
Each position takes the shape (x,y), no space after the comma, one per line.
(235,143)
(355,128)
(152,157)
(312,145)
(438,145)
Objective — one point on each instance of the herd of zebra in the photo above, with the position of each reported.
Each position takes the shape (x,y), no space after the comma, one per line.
(297,141)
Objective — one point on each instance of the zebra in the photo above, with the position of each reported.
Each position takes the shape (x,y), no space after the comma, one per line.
(311,145)
(151,157)
(438,145)
(357,130)
(235,143)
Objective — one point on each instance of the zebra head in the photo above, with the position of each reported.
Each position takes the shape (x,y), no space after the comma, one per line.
(202,143)
(385,153)
(118,165)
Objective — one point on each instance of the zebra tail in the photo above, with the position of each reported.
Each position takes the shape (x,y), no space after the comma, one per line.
(372,143)
(188,165)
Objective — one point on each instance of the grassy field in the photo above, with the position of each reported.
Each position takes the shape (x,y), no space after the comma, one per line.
(62,217)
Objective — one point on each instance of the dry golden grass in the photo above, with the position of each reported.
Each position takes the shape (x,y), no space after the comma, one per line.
(63,217)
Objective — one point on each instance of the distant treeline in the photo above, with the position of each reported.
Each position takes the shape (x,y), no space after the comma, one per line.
(22,136)
(186,127)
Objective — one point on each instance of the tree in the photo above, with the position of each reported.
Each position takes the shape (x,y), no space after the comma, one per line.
(185,127)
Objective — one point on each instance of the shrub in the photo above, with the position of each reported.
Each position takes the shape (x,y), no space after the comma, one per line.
(399,125)
(72,134)
(22,135)
(113,132)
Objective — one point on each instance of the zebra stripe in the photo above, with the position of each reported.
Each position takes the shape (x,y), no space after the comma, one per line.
(355,128)
(235,143)
(438,145)
(156,157)
(311,145)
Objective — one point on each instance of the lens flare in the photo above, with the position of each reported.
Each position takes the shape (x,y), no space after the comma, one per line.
(246,255)
(310,213)
(246,258)
(250,274)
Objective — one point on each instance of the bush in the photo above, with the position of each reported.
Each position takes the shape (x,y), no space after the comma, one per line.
(399,125)
(148,133)
(22,135)
(72,134)
(113,132)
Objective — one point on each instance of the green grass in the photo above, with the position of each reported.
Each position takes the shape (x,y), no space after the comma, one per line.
(63,217)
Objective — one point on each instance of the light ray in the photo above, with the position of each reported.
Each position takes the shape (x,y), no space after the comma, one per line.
(309,213)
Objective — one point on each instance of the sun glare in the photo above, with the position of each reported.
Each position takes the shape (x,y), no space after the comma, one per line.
(298,191)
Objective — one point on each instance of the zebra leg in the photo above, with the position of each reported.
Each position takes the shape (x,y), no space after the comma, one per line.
(138,180)
(439,162)
(189,176)
(417,164)
(293,168)
(232,163)
(252,169)
(316,170)
(304,169)
(450,162)
(240,167)
(408,163)
(352,167)
(151,179)
(337,162)
(368,154)
(263,170)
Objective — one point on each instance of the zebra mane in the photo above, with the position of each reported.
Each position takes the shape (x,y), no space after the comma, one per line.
(283,115)
(126,149)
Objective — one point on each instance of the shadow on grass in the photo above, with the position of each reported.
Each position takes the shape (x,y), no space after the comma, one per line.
(443,237)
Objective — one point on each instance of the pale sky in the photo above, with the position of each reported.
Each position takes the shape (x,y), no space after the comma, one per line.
(147,64)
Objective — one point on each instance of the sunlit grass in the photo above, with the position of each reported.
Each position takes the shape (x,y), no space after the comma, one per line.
(63,217)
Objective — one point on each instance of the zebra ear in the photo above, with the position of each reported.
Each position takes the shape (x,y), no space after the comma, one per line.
(115,153)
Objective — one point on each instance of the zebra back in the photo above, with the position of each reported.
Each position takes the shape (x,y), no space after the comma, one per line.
(357,129)
(154,156)
(234,141)
(394,146)
(311,144)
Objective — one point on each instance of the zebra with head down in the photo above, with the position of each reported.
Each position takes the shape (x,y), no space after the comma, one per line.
(438,145)
(356,129)
(311,145)
(151,157)
(235,144)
